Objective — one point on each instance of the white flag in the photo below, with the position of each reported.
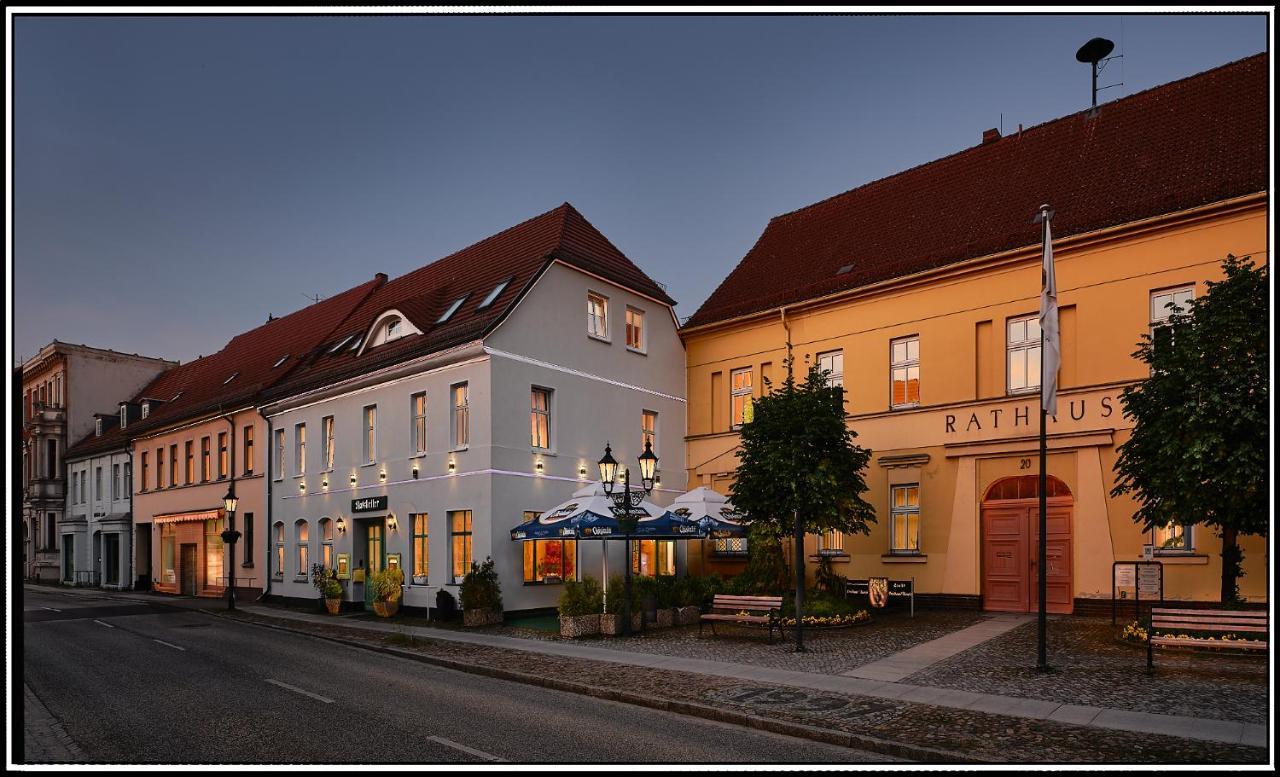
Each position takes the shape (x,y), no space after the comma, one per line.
(1051,353)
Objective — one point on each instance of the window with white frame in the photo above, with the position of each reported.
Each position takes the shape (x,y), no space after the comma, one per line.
(635,329)
(326,441)
(832,363)
(369,444)
(904,367)
(460,410)
(115,482)
(302,538)
(299,449)
(418,406)
(279,570)
(1174,538)
(1165,305)
(904,518)
(740,382)
(598,316)
(1023,359)
(421,546)
(279,454)
(392,329)
(460,543)
(540,418)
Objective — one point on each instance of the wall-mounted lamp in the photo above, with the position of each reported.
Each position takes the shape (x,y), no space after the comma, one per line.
(303,486)
(342,525)
(325,484)
(538,466)
(415,470)
(353,479)
(382,475)
(452,466)
(391,522)
(582,470)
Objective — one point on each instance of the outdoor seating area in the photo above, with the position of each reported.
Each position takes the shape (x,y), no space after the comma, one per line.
(1210,629)
(744,610)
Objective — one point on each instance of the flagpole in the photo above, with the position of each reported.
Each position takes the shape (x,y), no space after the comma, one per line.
(1042,660)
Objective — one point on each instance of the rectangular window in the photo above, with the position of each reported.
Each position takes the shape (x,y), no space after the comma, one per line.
(831,543)
(97,484)
(418,404)
(214,574)
(160,468)
(247,539)
(370,443)
(550,561)
(279,454)
(1165,305)
(279,570)
(1172,539)
(224,456)
(248,450)
(204,459)
(326,543)
(649,430)
(739,397)
(1023,344)
(904,365)
(128,480)
(421,546)
(540,418)
(190,458)
(145,473)
(904,511)
(597,316)
(460,543)
(653,557)
(51,459)
(168,533)
(832,362)
(729,546)
(326,441)
(299,449)
(115,482)
(303,541)
(635,329)
(461,416)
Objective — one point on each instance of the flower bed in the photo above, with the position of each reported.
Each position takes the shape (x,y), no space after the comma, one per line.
(1136,635)
(839,621)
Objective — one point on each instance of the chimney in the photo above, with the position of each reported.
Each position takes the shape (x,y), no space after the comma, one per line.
(990,136)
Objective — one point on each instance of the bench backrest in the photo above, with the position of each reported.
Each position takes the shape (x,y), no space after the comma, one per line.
(1209,620)
(748,603)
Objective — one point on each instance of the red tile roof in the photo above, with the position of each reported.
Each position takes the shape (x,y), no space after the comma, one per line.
(1191,142)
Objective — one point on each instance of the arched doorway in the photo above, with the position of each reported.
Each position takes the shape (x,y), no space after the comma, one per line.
(1010,537)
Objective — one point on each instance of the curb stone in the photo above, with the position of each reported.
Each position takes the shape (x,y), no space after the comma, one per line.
(692,709)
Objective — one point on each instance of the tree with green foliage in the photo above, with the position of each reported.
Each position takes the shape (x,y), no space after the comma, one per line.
(799,464)
(1198,453)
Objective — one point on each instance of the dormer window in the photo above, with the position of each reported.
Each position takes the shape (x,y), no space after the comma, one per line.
(282,360)
(393,329)
(97,428)
(146,409)
(390,325)
(228,380)
(487,301)
(124,415)
(457,303)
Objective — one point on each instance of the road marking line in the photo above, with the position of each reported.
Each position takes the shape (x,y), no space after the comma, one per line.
(468,750)
(296,689)
(168,644)
(100,623)
(55,609)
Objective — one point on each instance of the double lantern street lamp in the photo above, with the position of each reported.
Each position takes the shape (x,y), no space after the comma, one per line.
(628,503)
(229,537)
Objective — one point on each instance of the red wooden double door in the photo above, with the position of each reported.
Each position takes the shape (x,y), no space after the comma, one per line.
(1010,553)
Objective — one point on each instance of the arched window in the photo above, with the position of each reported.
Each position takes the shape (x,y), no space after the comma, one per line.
(326,543)
(301,538)
(279,532)
(1026,487)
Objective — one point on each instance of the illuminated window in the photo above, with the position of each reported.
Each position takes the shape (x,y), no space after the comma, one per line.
(1174,538)
(326,440)
(279,570)
(214,573)
(1024,354)
(160,468)
(904,511)
(421,546)
(549,561)
(302,541)
(145,471)
(540,418)
(649,430)
(653,557)
(326,543)
(460,543)
(598,316)
(635,329)
(904,365)
(729,546)
(204,459)
(740,397)
(190,458)
(248,450)
(224,456)
(418,405)
(831,543)
(168,535)
(299,449)
(461,416)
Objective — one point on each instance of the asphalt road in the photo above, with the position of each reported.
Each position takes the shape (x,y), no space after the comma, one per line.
(142,683)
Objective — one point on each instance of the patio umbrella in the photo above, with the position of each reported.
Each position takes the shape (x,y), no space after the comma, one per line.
(591,515)
(712,512)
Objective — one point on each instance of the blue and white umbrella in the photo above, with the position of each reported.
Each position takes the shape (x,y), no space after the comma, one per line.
(712,512)
(591,514)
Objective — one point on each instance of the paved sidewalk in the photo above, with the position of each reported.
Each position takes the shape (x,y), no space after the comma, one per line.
(907,662)
(44,740)
(1231,732)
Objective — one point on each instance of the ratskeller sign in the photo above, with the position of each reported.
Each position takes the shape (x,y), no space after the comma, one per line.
(369,504)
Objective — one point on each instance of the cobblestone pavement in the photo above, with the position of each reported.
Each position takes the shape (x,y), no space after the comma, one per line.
(44,740)
(972,734)
(1093,669)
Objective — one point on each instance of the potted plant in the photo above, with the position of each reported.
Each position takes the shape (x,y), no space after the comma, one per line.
(665,599)
(446,606)
(387,588)
(646,589)
(580,606)
(611,620)
(688,596)
(481,595)
(326,582)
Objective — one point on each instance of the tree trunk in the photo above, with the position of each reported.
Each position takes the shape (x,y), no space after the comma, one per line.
(1230,566)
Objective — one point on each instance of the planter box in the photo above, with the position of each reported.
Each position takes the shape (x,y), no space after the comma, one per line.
(611,624)
(688,616)
(666,618)
(574,626)
(481,617)
(334,606)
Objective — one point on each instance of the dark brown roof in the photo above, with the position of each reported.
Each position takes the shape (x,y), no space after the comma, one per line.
(1191,142)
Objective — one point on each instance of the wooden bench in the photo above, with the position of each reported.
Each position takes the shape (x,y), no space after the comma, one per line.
(1205,623)
(761,611)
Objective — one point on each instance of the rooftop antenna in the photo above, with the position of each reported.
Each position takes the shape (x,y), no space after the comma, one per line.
(1093,53)
(312,297)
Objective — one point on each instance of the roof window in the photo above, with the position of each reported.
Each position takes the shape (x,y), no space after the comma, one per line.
(230,378)
(457,303)
(280,361)
(487,301)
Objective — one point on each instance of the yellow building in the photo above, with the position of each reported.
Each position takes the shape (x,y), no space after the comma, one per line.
(920,292)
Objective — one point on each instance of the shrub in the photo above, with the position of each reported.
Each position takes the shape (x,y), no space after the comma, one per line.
(320,579)
(387,584)
(332,589)
(581,598)
(827,580)
(480,589)
(446,605)
(613,598)
(646,589)
(666,592)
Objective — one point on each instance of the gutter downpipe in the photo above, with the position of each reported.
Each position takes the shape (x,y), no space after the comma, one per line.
(266,535)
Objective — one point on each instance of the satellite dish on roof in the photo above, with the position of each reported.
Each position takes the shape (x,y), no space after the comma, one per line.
(1095,50)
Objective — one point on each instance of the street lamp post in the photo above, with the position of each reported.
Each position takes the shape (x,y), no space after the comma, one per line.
(627,501)
(229,537)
